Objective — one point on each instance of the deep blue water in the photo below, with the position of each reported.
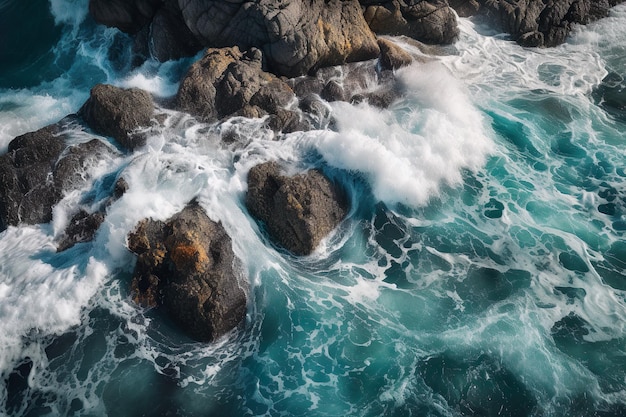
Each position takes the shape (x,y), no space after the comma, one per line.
(481,271)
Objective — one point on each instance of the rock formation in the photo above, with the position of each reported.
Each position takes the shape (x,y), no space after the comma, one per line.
(299,211)
(537,23)
(38,169)
(119,113)
(187,265)
(429,21)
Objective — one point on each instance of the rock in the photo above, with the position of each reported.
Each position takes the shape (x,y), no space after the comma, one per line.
(82,228)
(69,171)
(119,113)
(187,265)
(168,37)
(392,56)
(333,91)
(225,81)
(299,211)
(38,169)
(296,38)
(536,23)
(429,21)
(27,190)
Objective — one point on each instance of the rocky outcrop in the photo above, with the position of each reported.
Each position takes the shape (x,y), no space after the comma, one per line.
(38,169)
(429,21)
(537,23)
(228,82)
(296,36)
(187,265)
(119,113)
(298,211)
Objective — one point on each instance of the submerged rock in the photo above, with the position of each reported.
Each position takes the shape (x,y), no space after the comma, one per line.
(119,113)
(299,211)
(187,265)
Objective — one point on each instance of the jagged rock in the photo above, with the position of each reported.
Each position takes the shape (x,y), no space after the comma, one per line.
(536,23)
(296,38)
(333,91)
(119,113)
(299,211)
(38,169)
(392,56)
(187,265)
(225,81)
(429,21)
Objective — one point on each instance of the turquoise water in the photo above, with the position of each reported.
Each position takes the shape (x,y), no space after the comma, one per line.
(481,271)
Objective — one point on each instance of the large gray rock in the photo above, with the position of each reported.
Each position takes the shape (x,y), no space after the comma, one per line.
(296,36)
(299,211)
(187,265)
(392,56)
(38,169)
(429,21)
(537,23)
(119,113)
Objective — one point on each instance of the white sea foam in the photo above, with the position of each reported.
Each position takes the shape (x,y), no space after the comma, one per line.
(422,142)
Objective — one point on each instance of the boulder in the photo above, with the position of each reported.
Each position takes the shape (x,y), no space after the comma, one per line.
(187,265)
(38,169)
(298,211)
(128,16)
(27,191)
(429,21)
(537,23)
(227,82)
(119,113)
(392,56)
(296,38)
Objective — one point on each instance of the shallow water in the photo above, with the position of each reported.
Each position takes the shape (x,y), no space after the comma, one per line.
(481,270)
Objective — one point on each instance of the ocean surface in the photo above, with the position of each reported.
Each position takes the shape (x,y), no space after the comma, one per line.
(480,272)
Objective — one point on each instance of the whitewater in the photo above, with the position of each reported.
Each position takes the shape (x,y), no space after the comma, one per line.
(480,271)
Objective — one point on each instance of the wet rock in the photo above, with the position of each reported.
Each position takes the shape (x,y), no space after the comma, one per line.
(392,56)
(536,23)
(119,113)
(299,211)
(427,21)
(226,81)
(296,38)
(70,171)
(82,228)
(333,91)
(39,168)
(128,16)
(187,265)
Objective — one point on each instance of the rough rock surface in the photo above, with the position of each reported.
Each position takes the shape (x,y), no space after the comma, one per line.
(38,169)
(429,21)
(299,211)
(537,23)
(392,56)
(296,36)
(119,113)
(187,265)
(228,82)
